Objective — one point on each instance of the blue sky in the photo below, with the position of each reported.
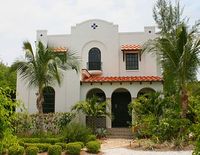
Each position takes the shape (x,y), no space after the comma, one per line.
(20,19)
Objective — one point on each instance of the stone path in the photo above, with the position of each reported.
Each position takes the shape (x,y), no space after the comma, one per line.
(125,151)
(119,147)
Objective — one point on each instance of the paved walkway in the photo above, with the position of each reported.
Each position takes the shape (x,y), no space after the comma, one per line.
(125,151)
(119,147)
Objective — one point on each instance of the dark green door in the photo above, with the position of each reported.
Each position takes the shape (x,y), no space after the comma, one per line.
(120,101)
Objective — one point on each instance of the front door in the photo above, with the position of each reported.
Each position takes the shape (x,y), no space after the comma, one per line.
(120,101)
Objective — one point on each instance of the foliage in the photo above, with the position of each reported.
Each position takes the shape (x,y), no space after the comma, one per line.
(63,145)
(91,138)
(197,149)
(167,16)
(75,132)
(93,146)
(92,107)
(157,118)
(65,119)
(101,132)
(32,150)
(55,150)
(80,143)
(7,78)
(43,147)
(73,148)
(16,150)
(180,51)
(7,116)
(27,125)
(41,140)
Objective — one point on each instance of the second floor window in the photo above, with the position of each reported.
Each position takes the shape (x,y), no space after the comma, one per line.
(94,59)
(132,61)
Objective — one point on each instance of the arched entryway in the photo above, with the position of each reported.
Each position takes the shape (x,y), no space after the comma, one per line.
(96,92)
(100,121)
(144,91)
(120,100)
(49,100)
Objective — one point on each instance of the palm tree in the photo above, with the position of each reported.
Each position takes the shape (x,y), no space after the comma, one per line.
(93,108)
(43,68)
(179,54)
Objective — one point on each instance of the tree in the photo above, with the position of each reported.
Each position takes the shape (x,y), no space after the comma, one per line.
(167,18)
(43,68)
(92,107)
(179,54)
(7,78)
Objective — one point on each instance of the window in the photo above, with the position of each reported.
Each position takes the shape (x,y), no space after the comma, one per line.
(132,61)
(94,59)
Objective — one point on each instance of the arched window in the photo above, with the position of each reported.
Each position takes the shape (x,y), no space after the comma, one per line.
(49,100)
(94,59)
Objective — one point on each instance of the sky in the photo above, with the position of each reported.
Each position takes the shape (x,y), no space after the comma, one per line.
(19,19)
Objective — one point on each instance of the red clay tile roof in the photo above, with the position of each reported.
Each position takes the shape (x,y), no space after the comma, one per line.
(131,47)
(122,79)
(59,49)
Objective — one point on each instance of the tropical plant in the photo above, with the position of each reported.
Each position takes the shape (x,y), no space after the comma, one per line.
(74,132)
(92,107)
(43,68)
(179,51)
(157,118)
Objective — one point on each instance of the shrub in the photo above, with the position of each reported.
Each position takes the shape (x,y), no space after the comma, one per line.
(43,147)
(197,149)
(91,138)
(101,133)
(93,146)
(16,150)
(76,132)
(41,140)
(80,143)
(73,148)
(55,150)
(63,145)
(157,117)
(32,150)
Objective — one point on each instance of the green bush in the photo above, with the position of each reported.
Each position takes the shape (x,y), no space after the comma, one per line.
(43,147)
(55,150)
(73,148)
(80,143)
(91,138)
(41,140)
(76,132)
(16,150)
(63,145)
(157,118)
(197,149)
(93,146)
(32,150)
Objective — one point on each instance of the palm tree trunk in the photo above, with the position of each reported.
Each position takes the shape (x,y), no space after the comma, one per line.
(184,102)
(40,101)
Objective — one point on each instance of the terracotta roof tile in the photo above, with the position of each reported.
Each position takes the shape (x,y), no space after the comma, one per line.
(122,79)
(131,47)
(60,49)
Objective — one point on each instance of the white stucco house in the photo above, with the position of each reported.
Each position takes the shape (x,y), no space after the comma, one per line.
(113,68)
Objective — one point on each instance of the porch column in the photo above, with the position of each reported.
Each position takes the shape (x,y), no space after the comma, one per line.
(108,109)
(133,114)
